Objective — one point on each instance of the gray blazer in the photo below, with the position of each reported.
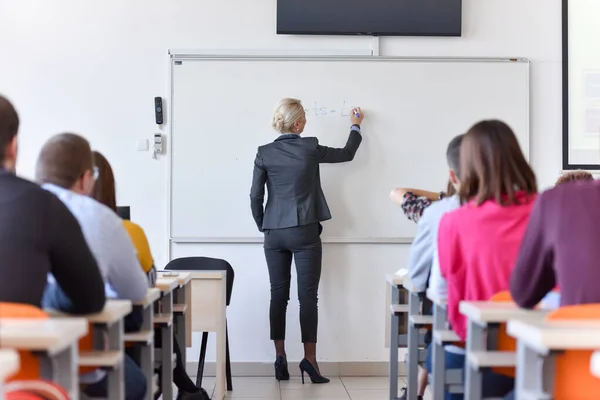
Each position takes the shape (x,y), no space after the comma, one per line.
(289,167)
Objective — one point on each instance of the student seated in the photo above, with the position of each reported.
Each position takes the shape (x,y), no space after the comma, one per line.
(414,201)
(104,192)
(38,235)
(479,242)
(65,167)
(423,252)
(560,247)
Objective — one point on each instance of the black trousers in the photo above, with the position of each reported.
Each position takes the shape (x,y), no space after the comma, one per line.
(303,243)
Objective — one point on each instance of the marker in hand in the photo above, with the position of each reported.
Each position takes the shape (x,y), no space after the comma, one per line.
(356,114)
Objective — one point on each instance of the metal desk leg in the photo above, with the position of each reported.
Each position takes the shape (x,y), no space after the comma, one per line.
(394,332)
(547,376)
(535,373)
(147,353)
(439,355)
(62,368)
(180,323)
(167,350)
(116,376)
(414,304)
(476,341)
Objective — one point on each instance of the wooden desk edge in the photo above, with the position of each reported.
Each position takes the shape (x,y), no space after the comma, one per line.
(9,363)
(394,279)
(473,311)
(113,311)
(167,284)
(77,328)
(184,278)
(216,274)
(152,295)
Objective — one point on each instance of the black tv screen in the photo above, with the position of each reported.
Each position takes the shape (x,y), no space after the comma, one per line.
(370,17)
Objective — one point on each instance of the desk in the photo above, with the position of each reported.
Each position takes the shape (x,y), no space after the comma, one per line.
(441,336)
(57,342)
(536,340)
(9,365)
(483,320)
(415,338)
(164,318)
(208,311)
(182,298)
(145,338)
(109,321)
(398,308)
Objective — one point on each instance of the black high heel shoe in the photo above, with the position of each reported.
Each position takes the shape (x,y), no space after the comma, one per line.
(281,369)
(315,377)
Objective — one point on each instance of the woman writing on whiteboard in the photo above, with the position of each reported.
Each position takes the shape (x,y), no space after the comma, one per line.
(290,221)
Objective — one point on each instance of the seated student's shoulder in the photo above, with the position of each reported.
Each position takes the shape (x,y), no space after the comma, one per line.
(455,215)
(16,189)
(132,228)
(439,208)
(571,194)
(102,212)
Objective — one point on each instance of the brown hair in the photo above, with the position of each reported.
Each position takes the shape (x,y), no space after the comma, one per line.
(450,190)
(63,160)
(9,125)
(573,176)
(104,189)
(493,166)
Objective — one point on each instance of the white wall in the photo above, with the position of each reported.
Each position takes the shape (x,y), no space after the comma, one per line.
(94,68)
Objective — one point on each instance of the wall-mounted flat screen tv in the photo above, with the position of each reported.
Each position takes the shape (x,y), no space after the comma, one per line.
(370,17)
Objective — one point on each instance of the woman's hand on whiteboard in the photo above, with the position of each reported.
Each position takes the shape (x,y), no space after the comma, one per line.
(357,116)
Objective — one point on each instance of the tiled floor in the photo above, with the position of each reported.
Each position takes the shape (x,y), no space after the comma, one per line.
(266,388)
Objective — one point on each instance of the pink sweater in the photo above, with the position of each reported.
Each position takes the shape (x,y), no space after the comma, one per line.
(478,247)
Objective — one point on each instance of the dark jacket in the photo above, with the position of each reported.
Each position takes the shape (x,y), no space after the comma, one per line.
(289,167)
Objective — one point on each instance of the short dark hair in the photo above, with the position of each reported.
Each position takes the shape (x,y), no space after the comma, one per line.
(492,165)
(574,176)
(63,160)
(453,153)
(104,188)
(9,125)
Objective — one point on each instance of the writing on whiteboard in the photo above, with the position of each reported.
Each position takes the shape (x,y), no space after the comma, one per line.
(343,109)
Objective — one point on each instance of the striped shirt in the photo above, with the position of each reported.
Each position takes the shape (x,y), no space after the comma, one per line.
(110,244)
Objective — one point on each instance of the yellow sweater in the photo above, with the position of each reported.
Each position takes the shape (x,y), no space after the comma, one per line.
(140,241)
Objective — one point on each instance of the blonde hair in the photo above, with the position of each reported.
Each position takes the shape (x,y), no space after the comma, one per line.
(286,112)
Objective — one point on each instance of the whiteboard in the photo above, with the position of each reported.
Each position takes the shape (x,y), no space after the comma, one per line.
(221,109)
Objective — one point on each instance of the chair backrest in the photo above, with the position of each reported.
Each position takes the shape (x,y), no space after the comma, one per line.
(572,376)
(30,364)
(504,341)
(204,264)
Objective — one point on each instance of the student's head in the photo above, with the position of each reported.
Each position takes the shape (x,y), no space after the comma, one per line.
(453,158)
(574,176)
(492,166)
(289,116)
(9,126)
(66,161)
(104,189)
